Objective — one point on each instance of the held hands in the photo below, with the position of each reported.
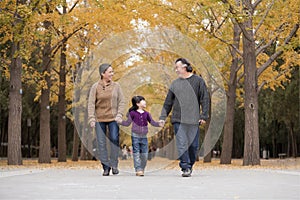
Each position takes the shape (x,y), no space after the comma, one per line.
(118,119)
(93,124)
(161,123)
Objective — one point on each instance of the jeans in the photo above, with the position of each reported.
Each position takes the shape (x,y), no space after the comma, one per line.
(187,142)
(140,151)
(108,161)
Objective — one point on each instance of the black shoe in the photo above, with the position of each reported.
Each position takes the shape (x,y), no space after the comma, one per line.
(106,172)
(186,173)
(115,171)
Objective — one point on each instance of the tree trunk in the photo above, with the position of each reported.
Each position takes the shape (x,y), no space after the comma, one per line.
(288,148)
(28,138)
(2,142)
(227,144)
(45,146)
(62,157)
(274,140)
(226,154)
(75,145)
(14,153)
(251,145)
(207,158)
(76,139)
(293,140)
(207,135)
(1,118)
(84,153)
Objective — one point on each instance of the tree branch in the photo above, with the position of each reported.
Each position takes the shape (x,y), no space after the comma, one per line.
(216,19)
(35,5)
(5,62)
(56,47)
(232,11)
(65,38)
(57,72)
(76,30)
(221,24)
(73,6)
(261,86)
(264,17)
(278,53)
(58,32)
(265,82)
(261,48)
(242,75)
(13,14)
(255,4)
(225,42)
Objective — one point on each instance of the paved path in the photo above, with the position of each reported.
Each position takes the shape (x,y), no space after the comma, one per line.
(163,184)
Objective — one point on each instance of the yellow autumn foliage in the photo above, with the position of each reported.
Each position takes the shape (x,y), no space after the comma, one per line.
(208,22)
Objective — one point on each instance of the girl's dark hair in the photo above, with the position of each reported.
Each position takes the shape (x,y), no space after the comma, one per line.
(185,62)
(135,100)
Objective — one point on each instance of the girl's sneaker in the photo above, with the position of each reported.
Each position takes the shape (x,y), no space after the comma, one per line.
(139,173)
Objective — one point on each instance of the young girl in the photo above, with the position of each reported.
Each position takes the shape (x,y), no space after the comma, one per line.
(140,119)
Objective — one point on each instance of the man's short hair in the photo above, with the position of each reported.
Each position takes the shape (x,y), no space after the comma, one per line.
(186,63)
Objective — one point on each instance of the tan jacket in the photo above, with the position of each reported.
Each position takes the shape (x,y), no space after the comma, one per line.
(105,103)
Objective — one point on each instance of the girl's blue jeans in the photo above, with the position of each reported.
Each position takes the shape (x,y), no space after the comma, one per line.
(140,151)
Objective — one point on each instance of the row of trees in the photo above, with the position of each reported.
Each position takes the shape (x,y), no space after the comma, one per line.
(43,45)
(274,134)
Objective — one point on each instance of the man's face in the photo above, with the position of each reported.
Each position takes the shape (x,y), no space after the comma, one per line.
(180,69)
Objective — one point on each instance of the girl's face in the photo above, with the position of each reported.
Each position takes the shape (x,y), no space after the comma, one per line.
(142,104)
(108,74)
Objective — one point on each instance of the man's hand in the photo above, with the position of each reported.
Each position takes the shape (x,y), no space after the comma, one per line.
(161,123)
(202,121)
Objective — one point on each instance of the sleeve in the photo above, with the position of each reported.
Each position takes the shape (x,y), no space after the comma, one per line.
(168,104)
(121,102)
(128,121)
(151,121)
(204,100)
(91,103)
